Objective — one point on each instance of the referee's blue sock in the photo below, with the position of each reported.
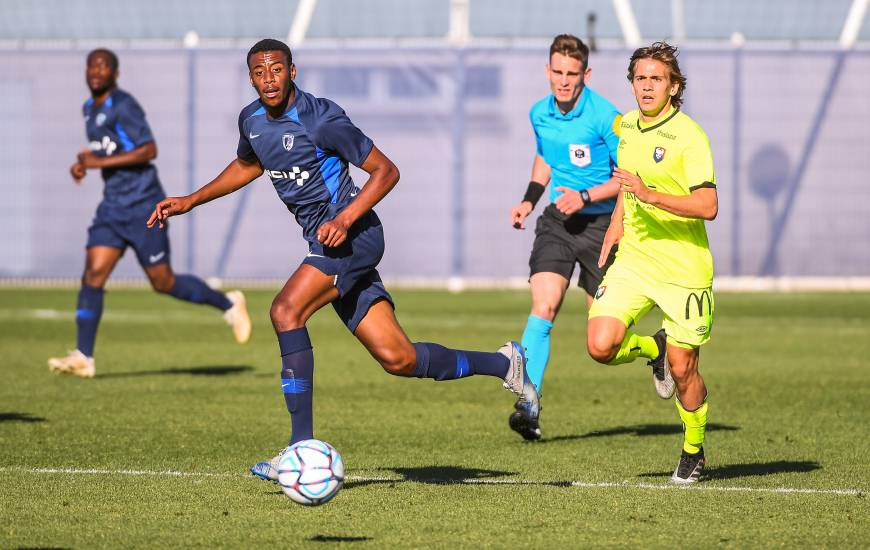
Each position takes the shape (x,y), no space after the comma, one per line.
(536,340)
(89,309)
(440,363)
(297,381)
(193,289)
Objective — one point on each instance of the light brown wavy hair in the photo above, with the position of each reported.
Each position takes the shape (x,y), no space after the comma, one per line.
(667,54)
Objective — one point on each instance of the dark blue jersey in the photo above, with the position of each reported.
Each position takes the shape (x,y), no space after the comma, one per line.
(115,126)
(305,152)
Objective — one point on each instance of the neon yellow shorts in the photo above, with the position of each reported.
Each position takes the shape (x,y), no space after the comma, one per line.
(628,294)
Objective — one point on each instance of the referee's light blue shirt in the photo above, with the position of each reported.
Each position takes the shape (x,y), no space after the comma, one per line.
(579,146)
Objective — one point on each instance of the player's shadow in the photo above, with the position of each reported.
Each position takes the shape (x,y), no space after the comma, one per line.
(336,538)
(732,471)
(640,430)
(433,475)
(20,417)
(208,370)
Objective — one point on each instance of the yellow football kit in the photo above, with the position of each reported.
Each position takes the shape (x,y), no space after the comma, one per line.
(663,259)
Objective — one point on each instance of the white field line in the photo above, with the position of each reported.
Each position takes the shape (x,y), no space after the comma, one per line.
(377,479)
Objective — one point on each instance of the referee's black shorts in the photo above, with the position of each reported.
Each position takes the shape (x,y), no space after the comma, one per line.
(561,241)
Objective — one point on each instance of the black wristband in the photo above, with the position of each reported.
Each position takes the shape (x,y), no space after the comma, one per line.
(534,192)
(584,195)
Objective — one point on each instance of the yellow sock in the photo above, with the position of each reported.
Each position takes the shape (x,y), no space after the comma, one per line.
(634,346)
(694,425)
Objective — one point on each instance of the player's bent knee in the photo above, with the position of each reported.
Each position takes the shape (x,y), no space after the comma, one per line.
(94,278)
(283,313)
(398,362)
(601,347)
(163,285)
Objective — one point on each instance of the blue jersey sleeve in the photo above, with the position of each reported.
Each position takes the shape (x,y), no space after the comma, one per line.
(131,126)
(244,150)
(539,150)
(337,135)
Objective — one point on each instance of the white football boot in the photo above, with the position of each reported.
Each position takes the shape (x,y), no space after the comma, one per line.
(268,469)
(524,419)
(661,369)
(237,316)
(76,364)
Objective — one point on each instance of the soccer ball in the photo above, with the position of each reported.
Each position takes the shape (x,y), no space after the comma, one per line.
(311,472)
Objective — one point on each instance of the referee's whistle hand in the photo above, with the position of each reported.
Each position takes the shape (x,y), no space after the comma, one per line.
(519,213)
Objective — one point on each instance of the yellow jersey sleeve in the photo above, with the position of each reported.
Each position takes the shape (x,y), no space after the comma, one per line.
(698,162)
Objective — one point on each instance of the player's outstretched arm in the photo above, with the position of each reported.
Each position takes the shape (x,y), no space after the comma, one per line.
(140,155)
(702,203)
(383,176)
(236,175)
(537,185)
(614,231)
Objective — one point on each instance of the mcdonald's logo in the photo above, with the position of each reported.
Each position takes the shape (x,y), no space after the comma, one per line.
(699,302)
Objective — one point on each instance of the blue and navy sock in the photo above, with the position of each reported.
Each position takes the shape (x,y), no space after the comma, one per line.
(536,340)
(89,309)
(193,289)
(436,361)
(297,381)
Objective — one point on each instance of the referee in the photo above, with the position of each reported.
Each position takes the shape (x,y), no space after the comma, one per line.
(576,143)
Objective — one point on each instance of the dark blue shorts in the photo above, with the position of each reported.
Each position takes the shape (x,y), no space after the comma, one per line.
(354,265)
(119,227)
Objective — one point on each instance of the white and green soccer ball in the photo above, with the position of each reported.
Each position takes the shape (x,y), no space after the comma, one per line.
(311,472)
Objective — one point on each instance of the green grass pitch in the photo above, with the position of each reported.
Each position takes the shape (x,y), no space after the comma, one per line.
(154,451)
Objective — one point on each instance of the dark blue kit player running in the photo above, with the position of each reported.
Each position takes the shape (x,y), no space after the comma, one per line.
(304,144)
(121,145)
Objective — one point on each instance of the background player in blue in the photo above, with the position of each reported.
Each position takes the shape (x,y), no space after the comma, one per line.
(304,144)
(122,146)
(575,133)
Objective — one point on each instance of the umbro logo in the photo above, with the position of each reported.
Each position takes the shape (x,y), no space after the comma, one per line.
(154,258)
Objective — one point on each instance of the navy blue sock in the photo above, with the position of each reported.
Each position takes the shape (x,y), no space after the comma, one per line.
(436,361)
(89,309)
(297,381)
(193,289)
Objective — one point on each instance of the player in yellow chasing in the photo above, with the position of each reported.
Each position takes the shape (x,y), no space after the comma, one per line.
(665,169)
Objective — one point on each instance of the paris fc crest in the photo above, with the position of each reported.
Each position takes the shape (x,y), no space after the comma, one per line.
(659,154)
(287,140)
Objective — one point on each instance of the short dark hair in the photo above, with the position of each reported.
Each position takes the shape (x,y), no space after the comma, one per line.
(667,54)
(269,45)
(570,45)
(113,59)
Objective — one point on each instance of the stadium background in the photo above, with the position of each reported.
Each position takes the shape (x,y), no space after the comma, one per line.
(444,88)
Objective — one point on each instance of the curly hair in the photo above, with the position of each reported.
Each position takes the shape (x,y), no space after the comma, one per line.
(667,54)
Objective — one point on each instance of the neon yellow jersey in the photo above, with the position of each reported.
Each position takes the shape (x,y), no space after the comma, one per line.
(671,156)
